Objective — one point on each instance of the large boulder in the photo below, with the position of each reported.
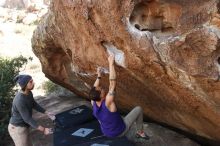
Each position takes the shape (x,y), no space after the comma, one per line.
(166,55)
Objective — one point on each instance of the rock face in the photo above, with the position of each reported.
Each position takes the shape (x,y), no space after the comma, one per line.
(166,55)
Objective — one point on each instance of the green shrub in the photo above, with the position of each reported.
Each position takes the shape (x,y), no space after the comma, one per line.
(50,87)
(57,90)
(17,31)
(9,68)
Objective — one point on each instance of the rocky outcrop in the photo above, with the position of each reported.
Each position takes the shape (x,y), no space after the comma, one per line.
(24,4)
(21,16)
(166,55)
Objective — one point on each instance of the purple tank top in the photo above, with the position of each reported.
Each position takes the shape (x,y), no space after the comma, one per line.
(112,124)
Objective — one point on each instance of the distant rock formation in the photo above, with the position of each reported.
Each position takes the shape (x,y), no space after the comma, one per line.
(24,4)
(28,16)
(166,55)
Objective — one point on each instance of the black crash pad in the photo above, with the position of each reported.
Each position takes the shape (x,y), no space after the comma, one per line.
(104,141)
(88,134)
(76,135)
(73,117)
(78,127)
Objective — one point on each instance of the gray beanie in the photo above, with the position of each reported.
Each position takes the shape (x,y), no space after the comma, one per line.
(22,80)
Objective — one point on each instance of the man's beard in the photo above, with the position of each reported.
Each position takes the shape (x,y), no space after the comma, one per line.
(32,88)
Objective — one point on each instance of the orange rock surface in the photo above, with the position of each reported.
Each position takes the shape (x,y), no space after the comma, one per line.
(166,55)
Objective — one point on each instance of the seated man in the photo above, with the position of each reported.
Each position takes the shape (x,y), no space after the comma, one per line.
(105,110)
